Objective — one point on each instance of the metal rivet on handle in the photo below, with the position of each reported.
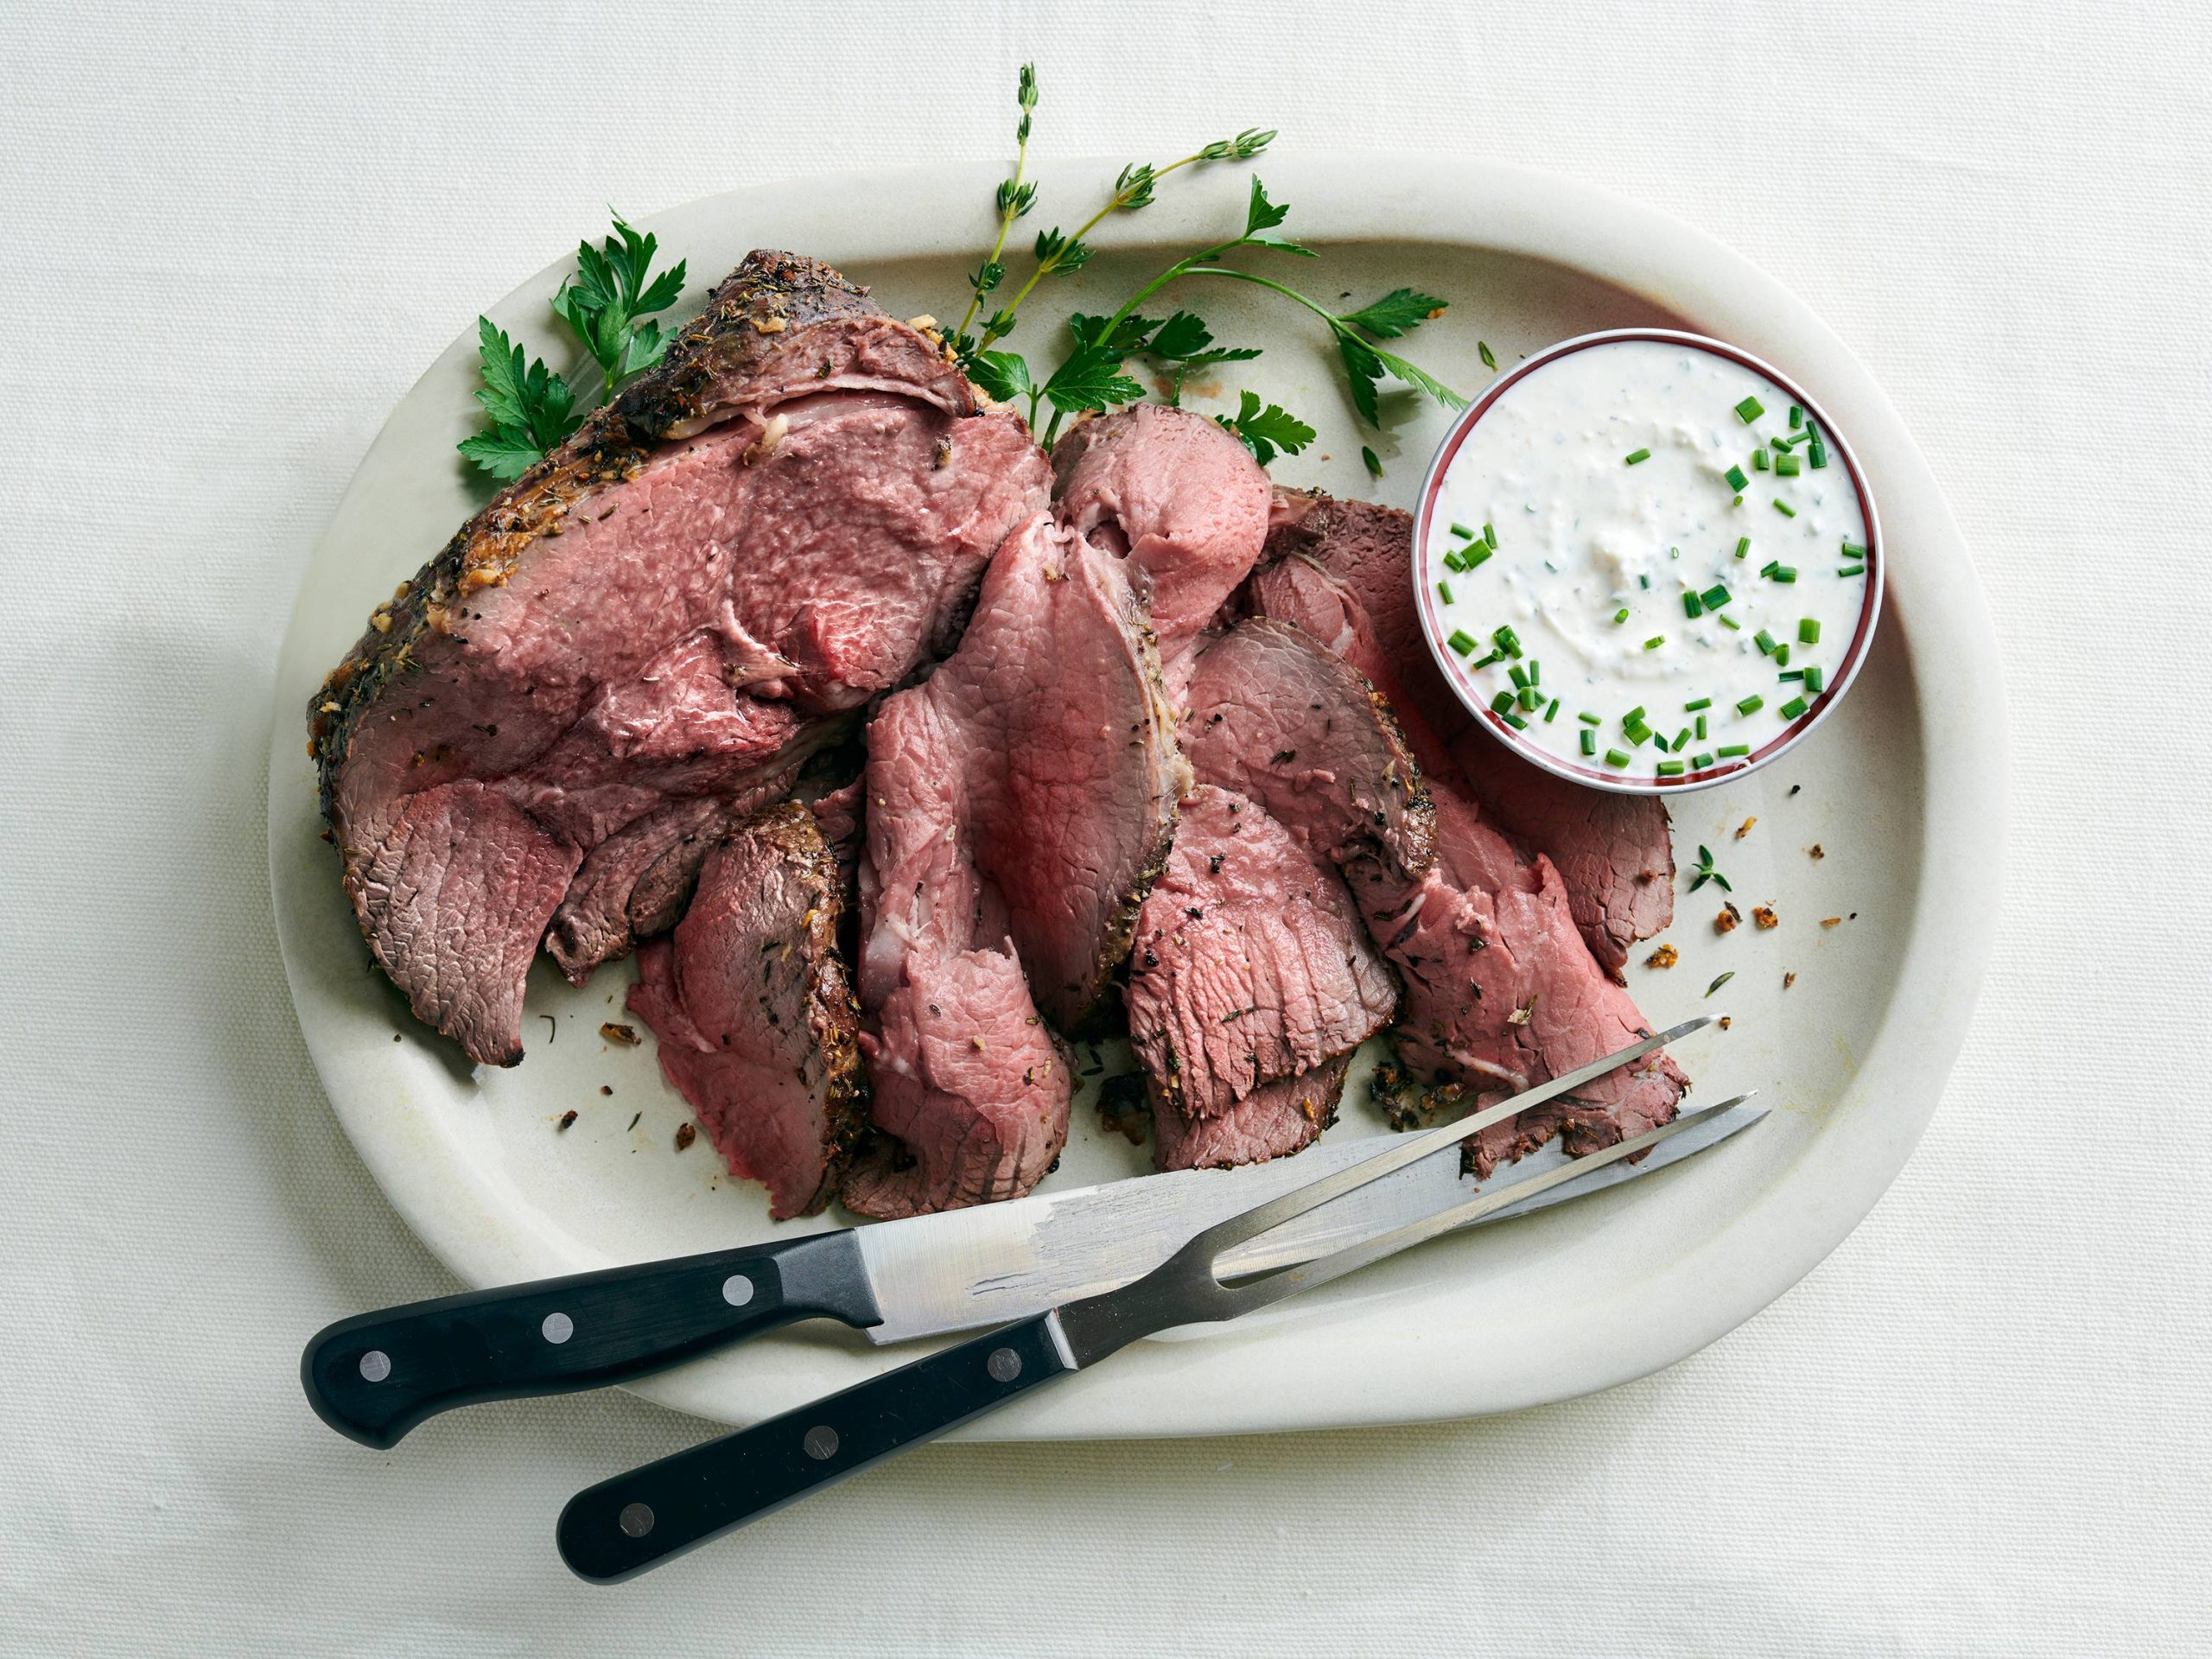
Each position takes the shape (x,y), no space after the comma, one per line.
(557,1328)
(737,1290)
(636,1519)
(821,1442)
(376,1365)
(1004,1365)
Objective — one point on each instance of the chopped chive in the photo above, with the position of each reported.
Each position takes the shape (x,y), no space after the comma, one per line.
(1749,410)
(1853,570)
(1760,462)
(1788,466)
(1552,713)
(1655,642)
(1739,479)
(1472,558)
(1702,702)
(1808,630)
(1793,708)
(1639,736)
(1463,532)
(1785,572)
(1692,605)
(1751,704)
(1780,446)
(1589,719)
(1519,676)
(1635,456)
(1781,655)
(1784,508)
(1813,679)
(1530,698)
(1681,741)
(1770,567)
(1633,715)
(1670,768)
(1796,418)
(1494,657)
(1444,591)
(1501,702)
(1620,616)
(1742,545)
(1699,762)
(1490,535)
(1674,552)
(1791,674)
(1506,640)
(1616,757)
(1589,741)
(1516,721)
(1732,624)
(1817,455)
(1731,751)
(1714,597)
(1700,729)
(1536,672)
(1765,641)
(1852,550)
(1460,642)
(1452,561)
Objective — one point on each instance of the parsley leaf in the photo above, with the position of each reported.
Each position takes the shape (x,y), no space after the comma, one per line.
(1399,312)
(1004,376)
(530,408)
(1091,379)
(1363,370)
(1263,431)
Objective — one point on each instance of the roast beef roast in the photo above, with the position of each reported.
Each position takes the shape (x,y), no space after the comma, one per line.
(783,520)
(750,1000)
(1249,968)
(1019,802)
(1501,992)
(1342,571)
(1181,499)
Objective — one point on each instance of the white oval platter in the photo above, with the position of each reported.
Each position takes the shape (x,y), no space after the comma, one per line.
(1903,792)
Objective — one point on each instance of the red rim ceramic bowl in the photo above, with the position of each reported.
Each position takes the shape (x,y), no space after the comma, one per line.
(1426,525)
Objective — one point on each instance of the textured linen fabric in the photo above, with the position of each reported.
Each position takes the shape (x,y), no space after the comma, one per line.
(230,237)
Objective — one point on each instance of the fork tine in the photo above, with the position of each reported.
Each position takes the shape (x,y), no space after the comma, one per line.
(1242,1299)
(1250,1223)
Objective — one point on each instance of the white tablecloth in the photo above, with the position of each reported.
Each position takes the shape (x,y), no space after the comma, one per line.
(231,235)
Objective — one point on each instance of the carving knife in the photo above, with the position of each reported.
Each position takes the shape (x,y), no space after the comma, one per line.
(375,1376)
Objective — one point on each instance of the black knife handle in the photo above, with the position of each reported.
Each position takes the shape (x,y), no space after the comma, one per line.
(620,1528)
(376,1376)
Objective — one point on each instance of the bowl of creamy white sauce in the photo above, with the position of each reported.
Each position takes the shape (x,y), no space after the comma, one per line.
(1646,561)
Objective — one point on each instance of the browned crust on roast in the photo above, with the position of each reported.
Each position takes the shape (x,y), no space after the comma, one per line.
(769,300)
(833,1015)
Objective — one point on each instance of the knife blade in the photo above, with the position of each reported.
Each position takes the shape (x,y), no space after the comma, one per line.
(374,1376)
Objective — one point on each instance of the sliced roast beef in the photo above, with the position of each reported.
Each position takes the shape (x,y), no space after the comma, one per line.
(1177,496)
(1250,964)
(1273,1121)
(1342,571)
(754,1012)
(1501,992)
(1018,803)
(1273,716)
(783,519)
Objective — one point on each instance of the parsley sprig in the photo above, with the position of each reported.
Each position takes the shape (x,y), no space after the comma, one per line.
(529,407)
(1094,376)
(608,299)
(607,304)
